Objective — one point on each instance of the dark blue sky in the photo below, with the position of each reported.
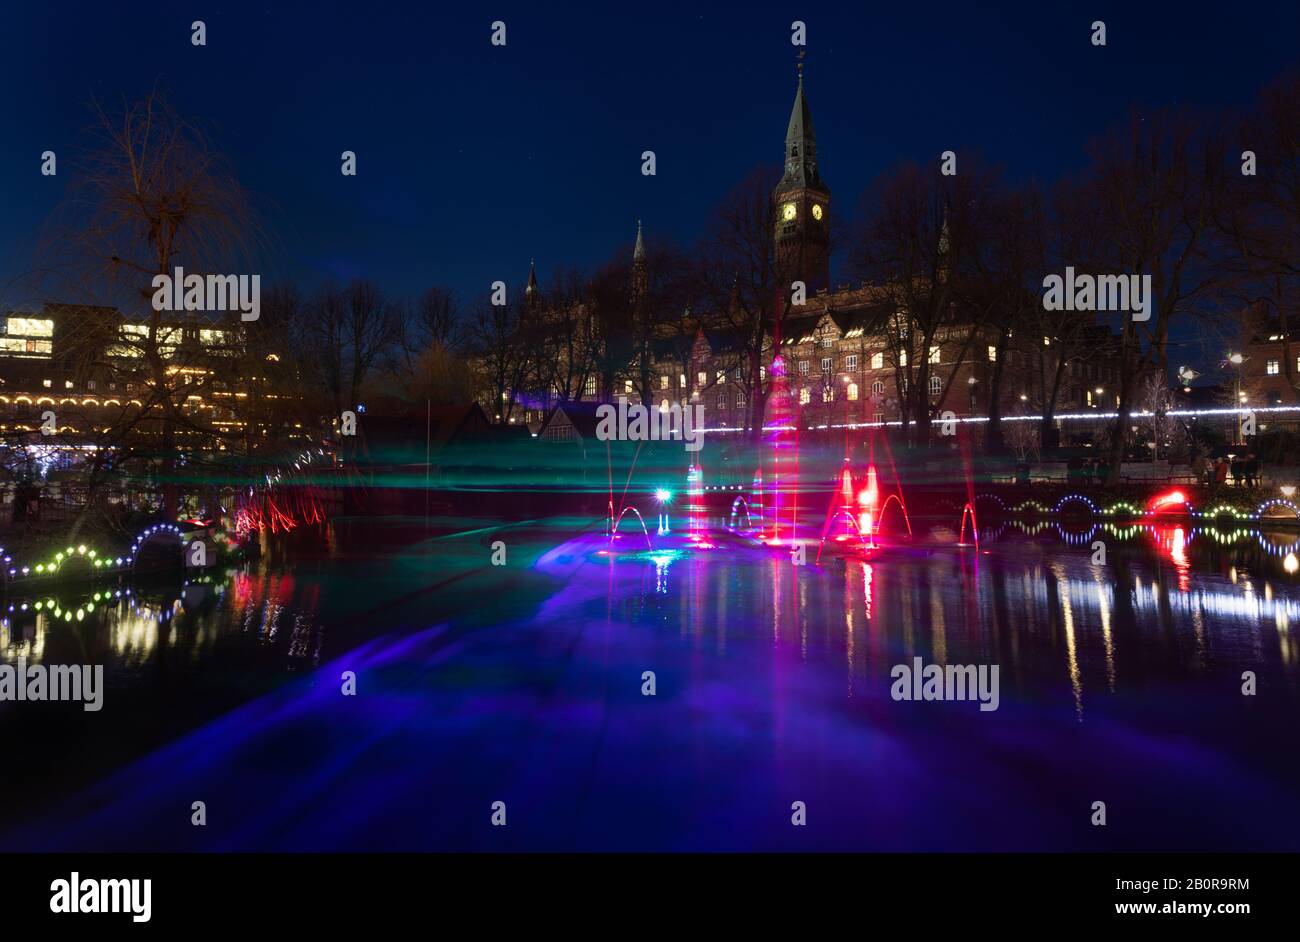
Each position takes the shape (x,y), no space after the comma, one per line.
(473,158)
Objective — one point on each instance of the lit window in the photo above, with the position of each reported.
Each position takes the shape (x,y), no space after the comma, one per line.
(853,392)
(902,358)
(701,378)
(721,376)
(1273,368)
(934,354)
(627,385)
(877,361)
(805,396)
(67,384)
(20,346)
(936,385)
(47,383)
(993,354)
(663,381)
(851,362)
(828,394)
(826,342)
(590,388)
(29,327)
(681,380)
(827,364)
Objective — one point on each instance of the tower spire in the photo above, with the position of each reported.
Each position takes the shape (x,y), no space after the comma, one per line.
(801,141)
(801,201)
(640,280)
(530,292)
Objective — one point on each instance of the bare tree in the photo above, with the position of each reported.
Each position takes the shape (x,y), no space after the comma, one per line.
(369,326)
(918,244)
(1260,218)
(738,279)
(1009,262)
(1153,188)
(436,320)
(152,196)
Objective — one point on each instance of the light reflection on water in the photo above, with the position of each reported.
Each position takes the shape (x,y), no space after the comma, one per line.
(1169,602)
(131,625)
(1167,605)
(1119,680)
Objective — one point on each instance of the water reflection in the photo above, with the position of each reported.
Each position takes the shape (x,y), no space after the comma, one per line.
(135,624)
(1167,602)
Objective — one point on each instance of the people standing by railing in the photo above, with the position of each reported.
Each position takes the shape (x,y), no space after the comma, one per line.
(1221,473)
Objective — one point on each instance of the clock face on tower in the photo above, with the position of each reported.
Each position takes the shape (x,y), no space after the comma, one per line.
(817,211)
(788,211)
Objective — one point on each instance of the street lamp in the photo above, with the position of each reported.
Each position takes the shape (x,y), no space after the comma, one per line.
(1238,397)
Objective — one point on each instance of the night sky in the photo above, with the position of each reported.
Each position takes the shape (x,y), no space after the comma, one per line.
(474,158)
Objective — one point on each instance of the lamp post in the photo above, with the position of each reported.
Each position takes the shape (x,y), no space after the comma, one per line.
(1237,359)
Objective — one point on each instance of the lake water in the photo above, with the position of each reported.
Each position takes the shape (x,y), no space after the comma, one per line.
(1120,683)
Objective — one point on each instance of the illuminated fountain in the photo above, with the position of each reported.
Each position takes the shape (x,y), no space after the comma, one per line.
(733,519)
(664,497)
(855,519)
(613,530)
(840,516)
(783,471)
(968,509)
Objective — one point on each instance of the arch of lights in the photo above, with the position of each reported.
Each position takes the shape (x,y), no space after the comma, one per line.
(100,563)
(1124,510)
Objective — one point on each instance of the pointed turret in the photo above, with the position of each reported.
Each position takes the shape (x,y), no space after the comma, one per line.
(801,146)
(945,247)
(530,292)
(640,279)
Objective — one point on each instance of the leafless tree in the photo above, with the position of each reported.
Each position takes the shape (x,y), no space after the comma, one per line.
(919,244)
(1153,188)
(151,195)
(1260,218)
(739,283)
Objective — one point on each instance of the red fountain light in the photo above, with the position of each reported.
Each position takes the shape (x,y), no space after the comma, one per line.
(1169,499)
(868,504)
